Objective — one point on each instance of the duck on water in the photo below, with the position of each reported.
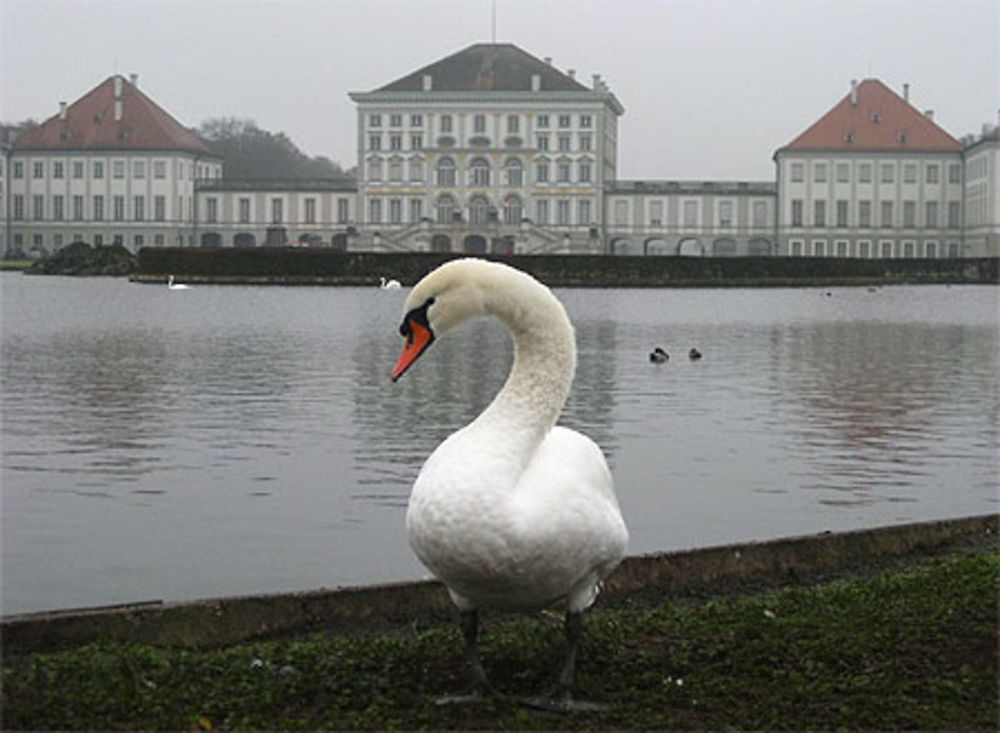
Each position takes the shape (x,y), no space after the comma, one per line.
(511,511)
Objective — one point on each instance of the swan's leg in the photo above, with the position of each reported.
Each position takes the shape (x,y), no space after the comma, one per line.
(481,686)
(562,700)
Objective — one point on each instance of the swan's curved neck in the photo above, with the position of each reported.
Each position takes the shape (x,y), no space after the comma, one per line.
(532,398)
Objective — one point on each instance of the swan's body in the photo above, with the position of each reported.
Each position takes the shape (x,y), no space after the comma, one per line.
(389,284)
(512,511)
(171,285)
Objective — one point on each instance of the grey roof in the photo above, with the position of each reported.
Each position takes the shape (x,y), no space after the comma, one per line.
(499,67)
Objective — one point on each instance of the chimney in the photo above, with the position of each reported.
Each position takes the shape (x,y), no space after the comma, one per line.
(62,111)
(547,60)
(118,87)
(929,114)
(428,82)
(536,82)
(854,92)
(571,73)
(596,78)
(133,79)
(906,93)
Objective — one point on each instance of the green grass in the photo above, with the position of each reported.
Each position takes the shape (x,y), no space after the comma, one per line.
(908,649)
(15,264)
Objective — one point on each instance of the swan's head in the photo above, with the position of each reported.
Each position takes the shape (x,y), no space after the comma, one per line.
(443,299)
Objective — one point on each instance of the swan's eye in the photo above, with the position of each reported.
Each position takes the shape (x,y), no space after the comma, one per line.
(417,315)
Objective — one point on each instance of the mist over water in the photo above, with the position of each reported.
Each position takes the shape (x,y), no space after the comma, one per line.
(231,440)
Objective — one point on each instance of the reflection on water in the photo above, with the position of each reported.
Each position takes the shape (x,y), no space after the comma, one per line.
(238,440)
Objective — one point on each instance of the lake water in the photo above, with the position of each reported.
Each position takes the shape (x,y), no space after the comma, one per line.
(234,440)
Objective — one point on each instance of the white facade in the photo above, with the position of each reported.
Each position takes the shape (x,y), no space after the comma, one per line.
(982,196)
(871,205)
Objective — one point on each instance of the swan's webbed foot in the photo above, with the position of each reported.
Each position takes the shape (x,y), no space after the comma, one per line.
(562,701)
(482,688)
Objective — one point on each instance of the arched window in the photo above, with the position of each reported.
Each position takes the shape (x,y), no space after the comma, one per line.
(513,172)
(512,210)
(446,172)
(445,208)
(479,210)
(416,168)
(479,172)
(395,168)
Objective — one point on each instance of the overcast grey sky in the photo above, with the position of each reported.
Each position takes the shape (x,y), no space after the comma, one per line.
(711,87)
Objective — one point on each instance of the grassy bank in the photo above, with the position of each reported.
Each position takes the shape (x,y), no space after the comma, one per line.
(913,648)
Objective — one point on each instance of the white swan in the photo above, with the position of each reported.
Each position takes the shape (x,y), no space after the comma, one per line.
(389,284)
(512,511)
(171,285)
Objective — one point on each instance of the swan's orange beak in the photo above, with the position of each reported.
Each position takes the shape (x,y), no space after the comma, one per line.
(418,338)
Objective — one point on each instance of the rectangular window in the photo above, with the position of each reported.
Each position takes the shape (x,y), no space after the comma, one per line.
(513,124)
(909,213)
(864,249)
(819,172)
(416,120)
(760,213)
(277,211)
(563,172)
(445,123)
(160,208)
(933,173)
(375,211)
(819,213)
(98,202)
(886,220)
(543,120)
(585,142)
(118,169)
(139,208)
(38,169)
(725,213)
(416,141)
(584,167)
(395,120)
(586,121)
(57,169)
(583,212)
(864,213)
(954,214)
(954,173)
(656,213)
(931,213)
(211,209)
(374,120)
(887,173)
(57,207)
(796,212)
(621,213)
(396,169)
(562,212)
(118,208)
(842,248)
(564,121)
(38,207)
(479,124)
(159,169)
(865,173)
(138,241)
(542,172)
(18,206)
(395,142)
(798,172)
(841,213)
(416,169)
(542,142)
(78,208)
(910,173)
(374,142)
(343,209)
(843,172)
(930,250)
(565,143)
(98,169)
(244,210)
(19,169)
(138,169)
(395,211)
(690,213)
(542,211)
(416,209)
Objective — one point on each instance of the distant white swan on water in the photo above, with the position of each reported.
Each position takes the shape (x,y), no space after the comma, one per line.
(389,284)
(512,511)
(171,285)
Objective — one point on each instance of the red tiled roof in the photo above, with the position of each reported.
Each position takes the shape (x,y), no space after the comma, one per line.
(497,67)
(880,120)
(90,124)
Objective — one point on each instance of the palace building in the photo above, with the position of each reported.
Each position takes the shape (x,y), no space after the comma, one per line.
(492,150)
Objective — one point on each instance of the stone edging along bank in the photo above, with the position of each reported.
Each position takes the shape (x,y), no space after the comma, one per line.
(711,570)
